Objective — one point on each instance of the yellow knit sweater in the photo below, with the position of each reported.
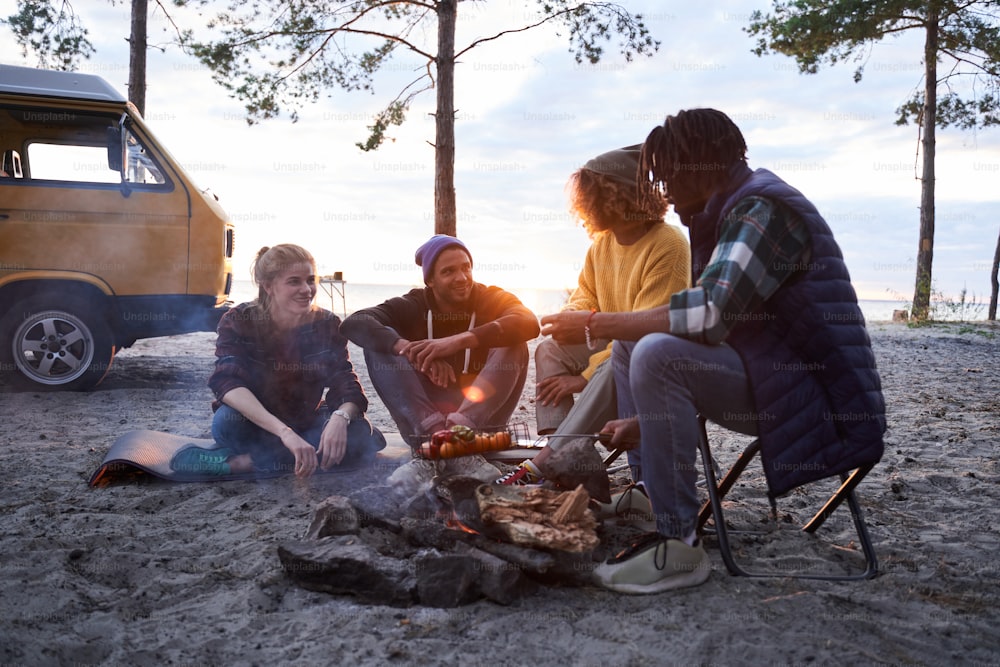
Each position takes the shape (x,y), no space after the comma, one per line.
(624,278)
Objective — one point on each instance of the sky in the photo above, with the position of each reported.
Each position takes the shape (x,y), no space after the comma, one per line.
(528,115)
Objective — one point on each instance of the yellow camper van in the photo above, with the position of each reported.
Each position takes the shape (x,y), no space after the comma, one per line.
(104,239)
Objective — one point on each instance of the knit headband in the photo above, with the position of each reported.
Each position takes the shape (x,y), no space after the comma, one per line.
(621,165)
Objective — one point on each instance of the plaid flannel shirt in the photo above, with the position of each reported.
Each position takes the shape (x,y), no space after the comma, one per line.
(760,246)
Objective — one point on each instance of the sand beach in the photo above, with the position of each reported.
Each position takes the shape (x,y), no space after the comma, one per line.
(156,573)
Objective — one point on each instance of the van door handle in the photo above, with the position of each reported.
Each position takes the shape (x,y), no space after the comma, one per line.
(4,216)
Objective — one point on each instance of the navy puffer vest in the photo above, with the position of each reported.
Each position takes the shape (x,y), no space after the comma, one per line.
(808,356)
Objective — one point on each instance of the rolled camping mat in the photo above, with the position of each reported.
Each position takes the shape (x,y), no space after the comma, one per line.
(136,454)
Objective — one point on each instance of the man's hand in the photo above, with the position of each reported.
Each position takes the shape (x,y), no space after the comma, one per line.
(624,432)
(422,352)
(566,328)
(430,356)
(441,373)
(552,390)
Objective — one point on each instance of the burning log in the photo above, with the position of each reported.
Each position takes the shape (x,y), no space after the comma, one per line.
(528,517)
(573,508)
(458,493)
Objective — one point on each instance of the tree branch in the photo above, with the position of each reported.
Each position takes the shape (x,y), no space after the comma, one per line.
(159,3)
(550,17)
(260,37)
(961,59)
(500,34)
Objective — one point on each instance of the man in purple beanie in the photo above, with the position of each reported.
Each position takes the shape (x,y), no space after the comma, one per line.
(453,352)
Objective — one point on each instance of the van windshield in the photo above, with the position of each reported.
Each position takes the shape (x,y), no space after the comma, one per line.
(140,166)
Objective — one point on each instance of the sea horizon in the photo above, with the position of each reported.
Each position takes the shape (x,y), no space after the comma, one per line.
(348,297)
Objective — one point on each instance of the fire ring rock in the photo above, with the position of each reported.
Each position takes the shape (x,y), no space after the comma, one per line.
(577,462)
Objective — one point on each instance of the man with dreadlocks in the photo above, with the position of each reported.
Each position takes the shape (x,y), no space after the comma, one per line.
(769,342)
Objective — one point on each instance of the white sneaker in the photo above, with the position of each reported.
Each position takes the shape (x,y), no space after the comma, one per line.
(655,563)
(631,505)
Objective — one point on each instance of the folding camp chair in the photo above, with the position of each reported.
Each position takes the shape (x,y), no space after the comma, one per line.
(718,487)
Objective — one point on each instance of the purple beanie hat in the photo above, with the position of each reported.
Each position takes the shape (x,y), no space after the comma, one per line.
(428,253)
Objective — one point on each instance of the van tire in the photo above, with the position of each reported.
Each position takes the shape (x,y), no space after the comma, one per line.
(54,346)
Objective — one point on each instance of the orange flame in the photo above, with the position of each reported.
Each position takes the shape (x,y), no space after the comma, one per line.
(455,524)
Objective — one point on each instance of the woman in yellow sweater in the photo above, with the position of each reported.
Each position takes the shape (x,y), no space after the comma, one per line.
(635,262)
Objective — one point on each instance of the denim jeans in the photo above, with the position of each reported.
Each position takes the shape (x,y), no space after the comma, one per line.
(667,382)
(235,432)
(420,407)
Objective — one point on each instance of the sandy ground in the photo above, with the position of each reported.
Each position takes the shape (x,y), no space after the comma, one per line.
(159,573)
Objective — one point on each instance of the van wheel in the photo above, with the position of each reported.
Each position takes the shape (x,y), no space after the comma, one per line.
(57,347)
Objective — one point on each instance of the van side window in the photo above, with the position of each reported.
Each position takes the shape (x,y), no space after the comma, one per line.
(65,162)
(75,163)
(74,148)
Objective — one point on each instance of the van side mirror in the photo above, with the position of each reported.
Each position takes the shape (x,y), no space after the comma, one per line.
(115,149)
(116,153)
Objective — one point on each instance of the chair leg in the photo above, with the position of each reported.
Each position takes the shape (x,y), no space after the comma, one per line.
(843,493)
(714,508)
(847,492)
(717,489)
(721,487)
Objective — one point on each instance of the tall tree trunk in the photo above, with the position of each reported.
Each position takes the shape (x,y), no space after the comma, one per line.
(993,281)
(925,252)
(137,56)
(444,138)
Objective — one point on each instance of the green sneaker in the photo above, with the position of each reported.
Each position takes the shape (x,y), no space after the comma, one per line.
(631,505)
(655,563)
(202,461)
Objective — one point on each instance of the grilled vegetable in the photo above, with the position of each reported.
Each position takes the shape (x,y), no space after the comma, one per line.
(452,443)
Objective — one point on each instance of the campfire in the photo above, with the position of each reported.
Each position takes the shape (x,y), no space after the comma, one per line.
(450,541)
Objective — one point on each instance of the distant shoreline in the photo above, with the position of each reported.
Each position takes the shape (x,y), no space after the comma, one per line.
(541,300)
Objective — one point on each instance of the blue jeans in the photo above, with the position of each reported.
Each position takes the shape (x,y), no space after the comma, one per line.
(232,430)
(420,407)
(667,382)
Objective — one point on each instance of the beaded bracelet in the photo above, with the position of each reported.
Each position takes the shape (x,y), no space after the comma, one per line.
(586,331)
